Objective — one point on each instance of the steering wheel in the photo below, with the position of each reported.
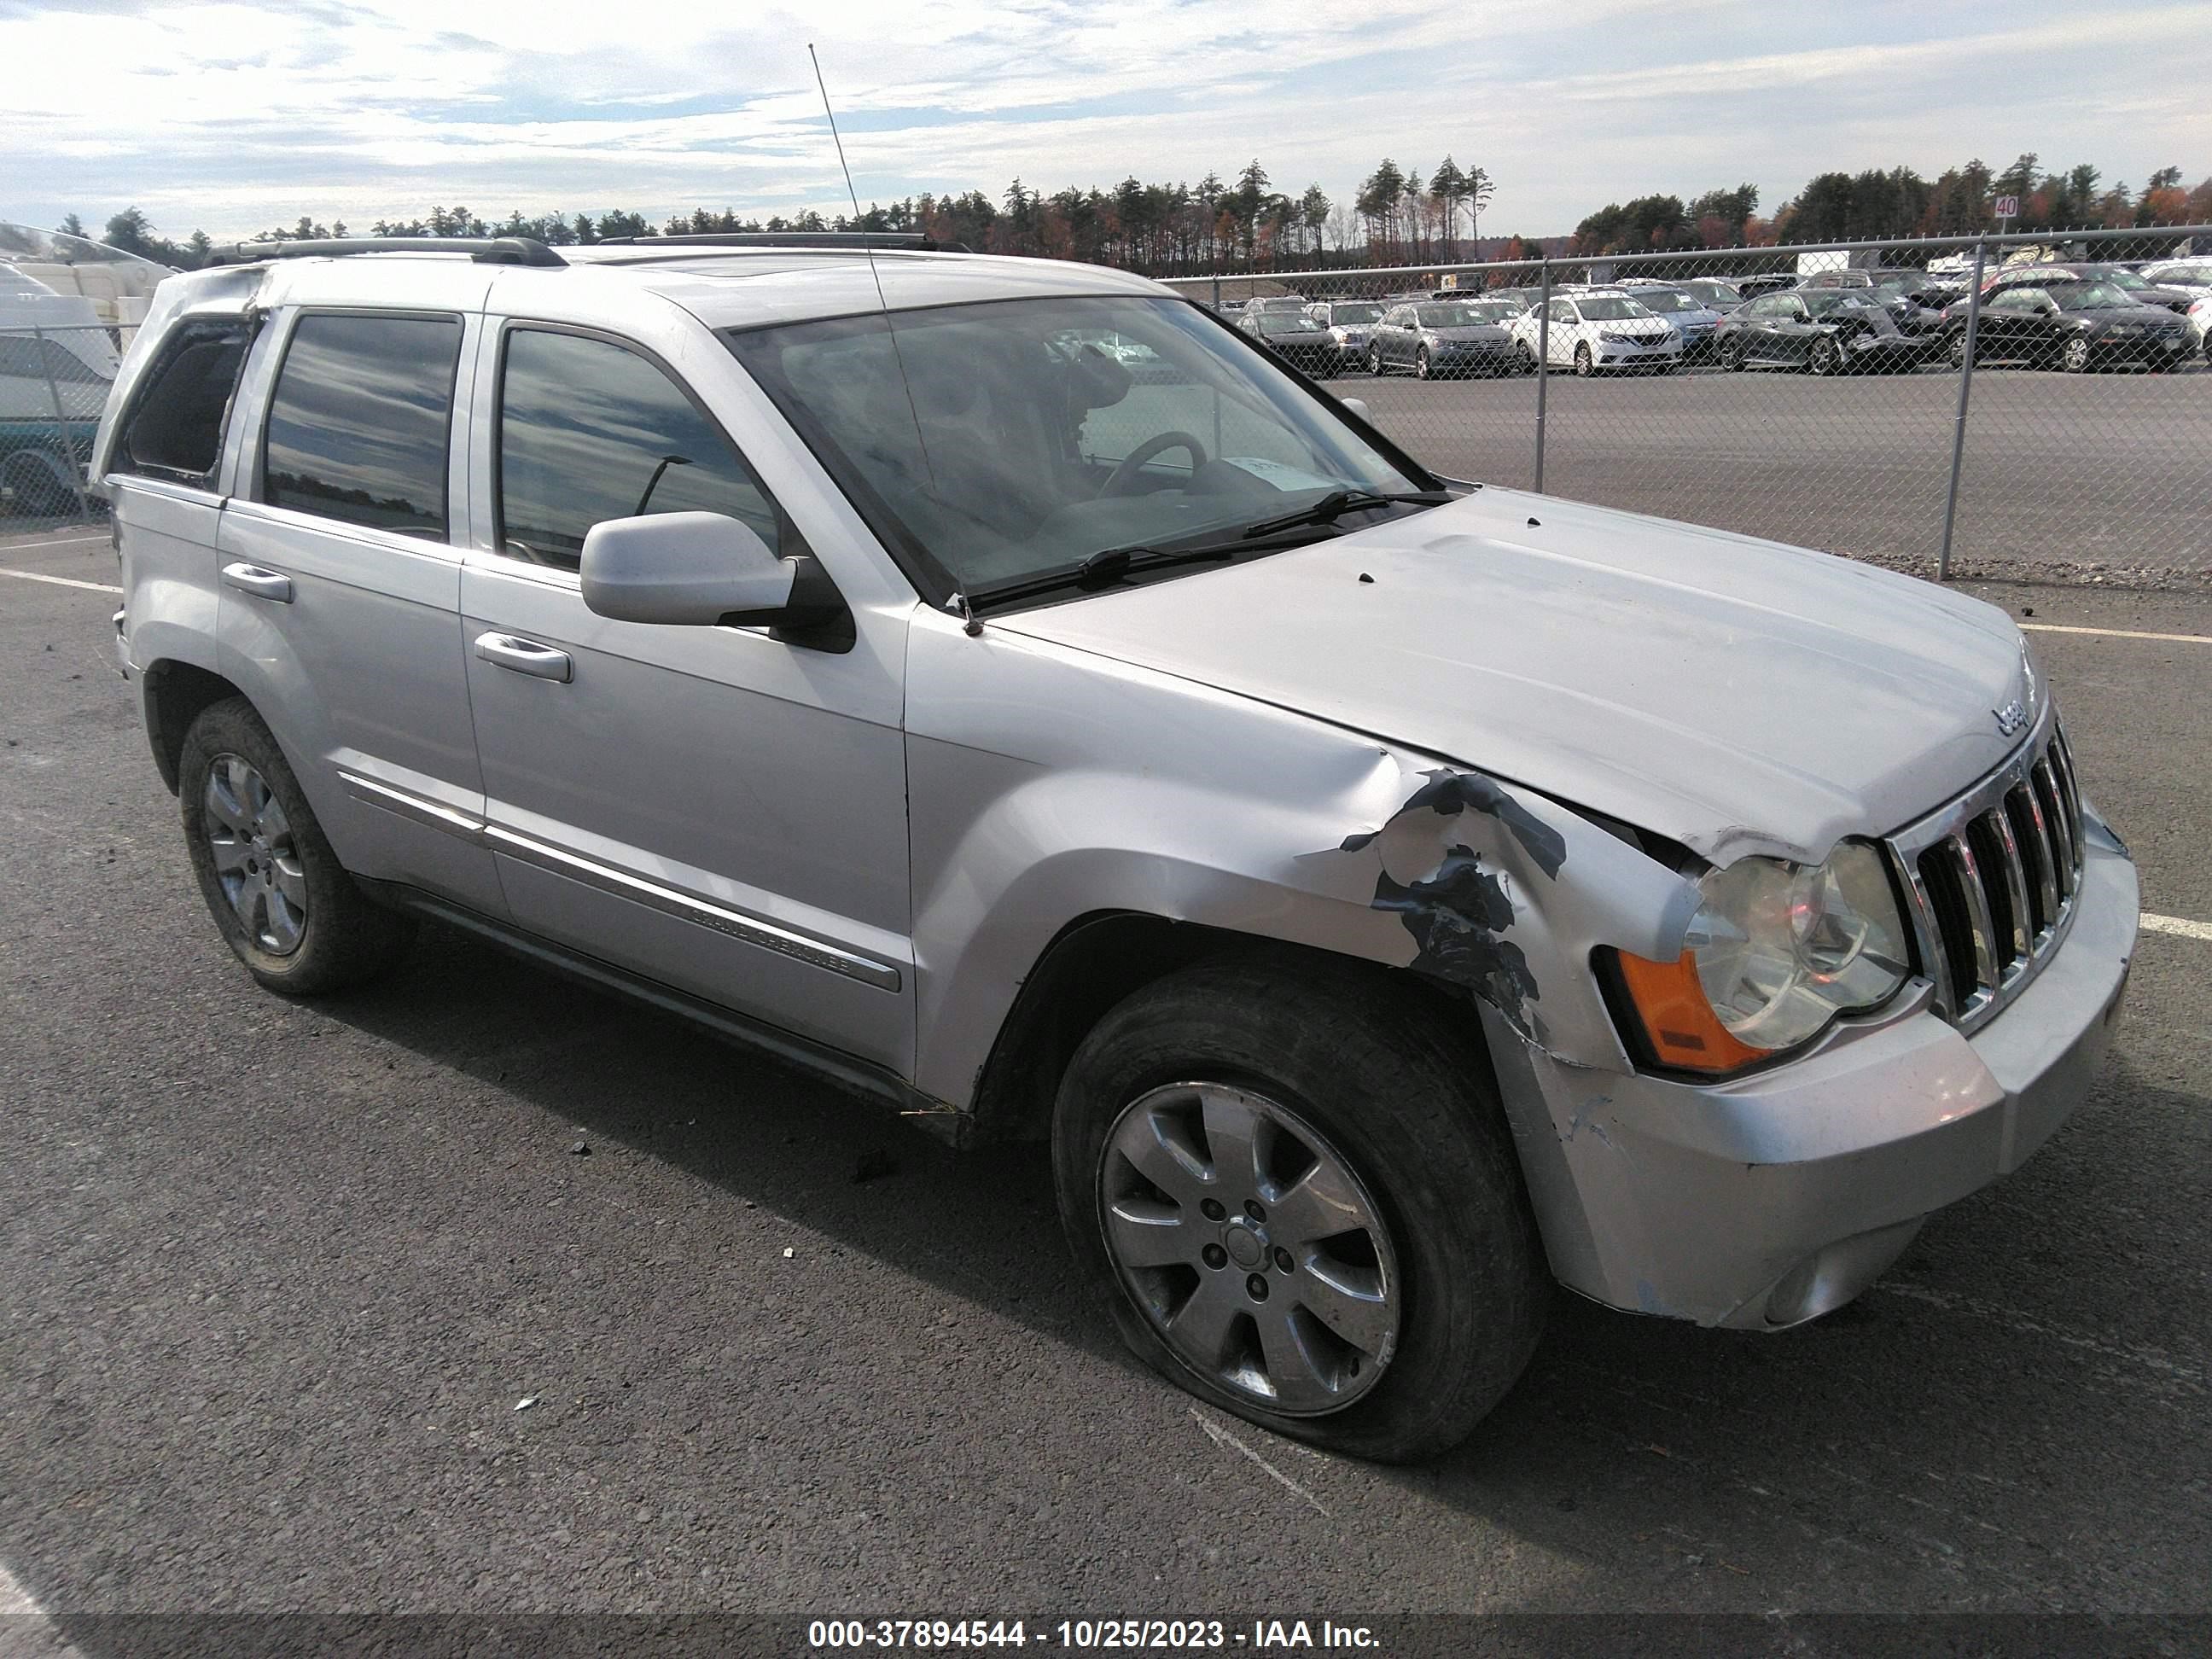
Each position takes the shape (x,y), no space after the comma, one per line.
(1119,481)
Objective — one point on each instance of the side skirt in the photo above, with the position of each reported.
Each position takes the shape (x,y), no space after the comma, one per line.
(841,1071)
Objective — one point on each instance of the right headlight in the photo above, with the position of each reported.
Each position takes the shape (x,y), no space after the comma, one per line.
(1775,953)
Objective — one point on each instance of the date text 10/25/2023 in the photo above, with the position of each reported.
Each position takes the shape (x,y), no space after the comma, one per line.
(1091,1635)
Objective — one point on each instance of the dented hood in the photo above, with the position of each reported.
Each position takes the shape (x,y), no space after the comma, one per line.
(1735,695)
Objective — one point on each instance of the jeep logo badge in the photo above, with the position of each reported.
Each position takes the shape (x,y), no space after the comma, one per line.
(2010,717)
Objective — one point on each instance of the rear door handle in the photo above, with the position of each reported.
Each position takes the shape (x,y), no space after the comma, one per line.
(262,584)
(524,657)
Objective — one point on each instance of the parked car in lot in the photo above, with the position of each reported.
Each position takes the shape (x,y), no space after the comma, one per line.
(1709,292)
(2139,291)
(1347,323)
(1825,330)
(1300,339)
(1765,282)
(2074,326)
(1915,300)
(1694,319)
(1385,894)
(1932,292)
(2194,274)
(1438,339)
(1598,330)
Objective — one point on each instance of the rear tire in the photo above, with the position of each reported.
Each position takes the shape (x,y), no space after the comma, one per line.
(284,904)
(1395,1110)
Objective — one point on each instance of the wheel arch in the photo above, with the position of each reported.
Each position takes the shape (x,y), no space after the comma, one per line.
(174,693)
(1099,960)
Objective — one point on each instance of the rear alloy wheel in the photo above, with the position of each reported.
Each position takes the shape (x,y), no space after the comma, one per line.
(2073,355)
(283,902)
(1421,369)
(1296,1192)
(1958,351)
(1585,365)
(1375,360)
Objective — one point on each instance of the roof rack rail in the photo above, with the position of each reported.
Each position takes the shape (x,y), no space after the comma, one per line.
(485,250)
(914,240)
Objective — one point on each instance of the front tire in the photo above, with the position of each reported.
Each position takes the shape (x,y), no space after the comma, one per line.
(1825,358)
(2073,355)
(284,904)
(1422,370)
(1299,1197)
(1375,360)
(1585,365)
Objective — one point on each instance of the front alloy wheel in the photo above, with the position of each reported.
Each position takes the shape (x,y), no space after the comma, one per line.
(1375,360)
(1252,1246)
(2074,357)
(1825,356)
(1421,370)
(1585,365)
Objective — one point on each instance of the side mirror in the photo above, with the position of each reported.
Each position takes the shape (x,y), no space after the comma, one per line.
(1357,406)
(701,570)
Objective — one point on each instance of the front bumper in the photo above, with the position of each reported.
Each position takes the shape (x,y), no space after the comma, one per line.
(1772,1200)
(1612,354)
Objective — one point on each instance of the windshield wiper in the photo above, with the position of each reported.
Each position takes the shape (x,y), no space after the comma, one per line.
(1110,564)
(1338,502)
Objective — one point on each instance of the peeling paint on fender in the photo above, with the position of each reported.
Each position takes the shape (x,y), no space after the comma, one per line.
(1447,793)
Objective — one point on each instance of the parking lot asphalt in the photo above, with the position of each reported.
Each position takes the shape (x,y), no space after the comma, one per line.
(2064,476)
(318,1305)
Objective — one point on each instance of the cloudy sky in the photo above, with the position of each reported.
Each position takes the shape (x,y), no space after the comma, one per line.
(233,117)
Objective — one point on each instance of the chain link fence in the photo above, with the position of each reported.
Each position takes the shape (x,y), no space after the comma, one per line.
(2034,405)
(54,382)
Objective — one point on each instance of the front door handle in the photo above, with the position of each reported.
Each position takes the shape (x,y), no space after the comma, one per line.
(526,657)
(262,584)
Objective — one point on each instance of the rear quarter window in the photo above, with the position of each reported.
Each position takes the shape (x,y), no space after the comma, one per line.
(359,421)
(175,427)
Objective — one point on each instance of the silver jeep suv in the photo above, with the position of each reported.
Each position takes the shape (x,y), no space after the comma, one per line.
(1389,895)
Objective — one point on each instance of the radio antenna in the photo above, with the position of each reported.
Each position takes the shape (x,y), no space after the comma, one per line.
(874,275)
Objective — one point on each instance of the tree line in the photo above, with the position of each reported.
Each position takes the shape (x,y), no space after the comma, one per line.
(1875,204)
(1395,216)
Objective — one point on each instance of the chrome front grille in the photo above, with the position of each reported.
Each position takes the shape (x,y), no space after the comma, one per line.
(1992,877)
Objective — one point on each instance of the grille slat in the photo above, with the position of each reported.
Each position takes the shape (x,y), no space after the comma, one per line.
(1993,876)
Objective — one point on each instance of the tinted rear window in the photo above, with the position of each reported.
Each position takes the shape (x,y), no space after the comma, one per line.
(357,426)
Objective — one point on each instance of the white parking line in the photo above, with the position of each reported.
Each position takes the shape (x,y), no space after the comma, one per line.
(2178,925)
(58,581)
(66,541)
(2117,633)
(25,1629)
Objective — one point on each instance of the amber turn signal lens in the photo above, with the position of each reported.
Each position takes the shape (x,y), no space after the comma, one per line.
(1678,1021)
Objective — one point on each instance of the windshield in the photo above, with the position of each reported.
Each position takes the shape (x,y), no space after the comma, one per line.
(2091,296)
(1609,308)
(1710,290)
(1342,314)
(1822,301)
(1036,448)
(1450,316)
(1659,300)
